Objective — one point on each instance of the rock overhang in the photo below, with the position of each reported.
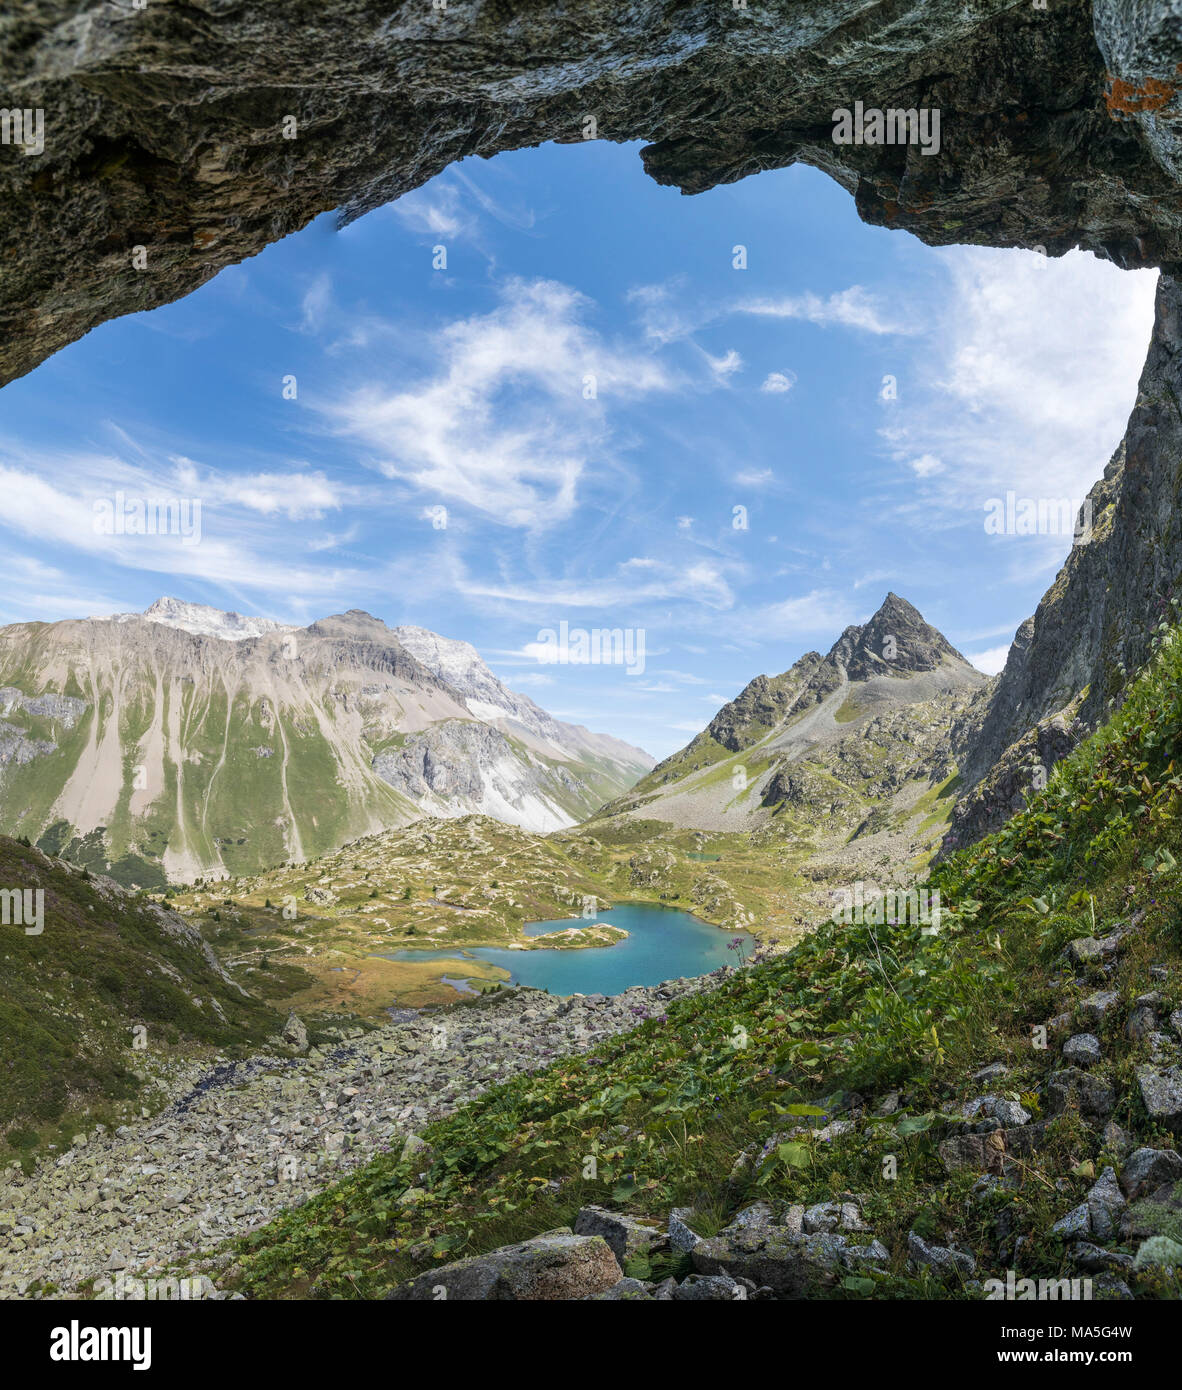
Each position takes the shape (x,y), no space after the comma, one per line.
(201,134)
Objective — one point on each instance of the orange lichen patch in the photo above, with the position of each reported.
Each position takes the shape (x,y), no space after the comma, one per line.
(1127,98)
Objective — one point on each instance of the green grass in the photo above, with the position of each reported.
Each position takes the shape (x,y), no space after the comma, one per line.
(849,711)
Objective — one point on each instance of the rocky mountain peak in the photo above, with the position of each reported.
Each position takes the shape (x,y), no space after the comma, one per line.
(355,625)
(896,641)
(203,620)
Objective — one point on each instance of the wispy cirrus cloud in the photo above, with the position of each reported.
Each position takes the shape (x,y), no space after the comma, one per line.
(991,660)
(59,504)
(512,412)
(633,583)
(854,307)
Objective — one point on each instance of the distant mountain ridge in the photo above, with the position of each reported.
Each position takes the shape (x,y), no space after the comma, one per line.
(188,741)
(204,621)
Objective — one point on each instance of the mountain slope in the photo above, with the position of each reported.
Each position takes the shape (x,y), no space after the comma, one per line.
(826,744)
(186,741)
(105,962)
(869,1040)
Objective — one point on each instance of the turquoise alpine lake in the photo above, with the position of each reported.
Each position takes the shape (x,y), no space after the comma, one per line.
(663,943)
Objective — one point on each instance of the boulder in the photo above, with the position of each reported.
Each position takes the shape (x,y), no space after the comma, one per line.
(1148,1169)
(1105,1203)
(626,1236)
(711,1288)
(1095,1260)
(418,1150)
(556,1265)
(832,1216)
(681,1238)
(1161,1092)
(1085,949)
(758,1248)
(1142,1022)
(1074,1225)
(1098,1005)
(987,1153)
(942,1258)
(295,1034)
(1005,1114)
(1071,1086)
(1082,1050)
(625,1291)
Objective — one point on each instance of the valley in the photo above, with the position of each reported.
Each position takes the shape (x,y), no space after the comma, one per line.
(455,1042)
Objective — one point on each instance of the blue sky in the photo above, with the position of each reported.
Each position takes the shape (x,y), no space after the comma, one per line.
(604,503)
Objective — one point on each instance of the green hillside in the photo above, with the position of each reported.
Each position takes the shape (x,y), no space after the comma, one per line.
(105,962)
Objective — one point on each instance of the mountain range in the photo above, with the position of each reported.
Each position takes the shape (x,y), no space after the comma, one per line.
(185,741)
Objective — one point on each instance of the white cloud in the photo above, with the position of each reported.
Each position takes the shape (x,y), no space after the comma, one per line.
(851,308)
(755,477)
(316,304)
(503,424)
(992,660)
(662,316)
(1033,371)
(297,496)
(925,465)
(726,366)
(634,583)
(329,540)
(821,612)
(777,383)
(53,501)
(436,211)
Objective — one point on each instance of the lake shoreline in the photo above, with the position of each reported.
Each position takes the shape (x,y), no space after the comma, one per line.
(647,942)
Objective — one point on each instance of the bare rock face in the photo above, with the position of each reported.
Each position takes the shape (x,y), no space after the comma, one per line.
(200,133)
(1094,627)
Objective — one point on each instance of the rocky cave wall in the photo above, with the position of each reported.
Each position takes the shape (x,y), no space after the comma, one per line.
(165,126)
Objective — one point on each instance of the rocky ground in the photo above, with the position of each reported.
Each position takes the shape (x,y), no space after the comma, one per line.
(243,1140)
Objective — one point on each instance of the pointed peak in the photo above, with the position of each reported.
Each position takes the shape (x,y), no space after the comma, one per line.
(897,640)
(894,605)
